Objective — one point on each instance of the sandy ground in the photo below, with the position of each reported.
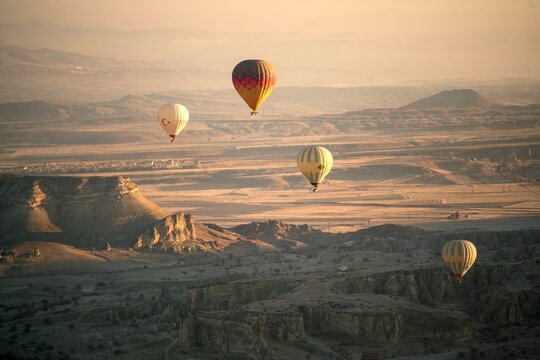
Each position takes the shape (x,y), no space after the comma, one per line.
(390,176)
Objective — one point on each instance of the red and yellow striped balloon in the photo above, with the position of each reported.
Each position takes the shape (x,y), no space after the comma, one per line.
(254,80)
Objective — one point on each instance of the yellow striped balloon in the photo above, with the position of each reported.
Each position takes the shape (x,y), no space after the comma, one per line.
(173,118)
(254,80)
(315,162)
(460,256)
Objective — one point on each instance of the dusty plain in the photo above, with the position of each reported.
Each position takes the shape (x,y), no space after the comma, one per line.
(391,165)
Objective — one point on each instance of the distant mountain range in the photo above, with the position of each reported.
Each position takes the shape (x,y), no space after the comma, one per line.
(303,59)
(224,105)
(61,78)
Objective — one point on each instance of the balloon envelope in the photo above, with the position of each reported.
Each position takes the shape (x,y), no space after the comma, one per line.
(173,118)
(315,162)
(254,80)
(460,256)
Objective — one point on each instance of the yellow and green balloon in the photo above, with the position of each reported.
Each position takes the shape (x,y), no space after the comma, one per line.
(460,256)
(315,162)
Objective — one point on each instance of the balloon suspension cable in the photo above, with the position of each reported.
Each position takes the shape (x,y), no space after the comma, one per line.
(253,113)
(173,137)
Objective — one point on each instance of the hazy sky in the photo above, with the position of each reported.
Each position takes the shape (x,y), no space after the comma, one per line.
(326,16)
(312,42)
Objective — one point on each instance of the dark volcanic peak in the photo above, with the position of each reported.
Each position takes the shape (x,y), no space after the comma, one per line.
(453,99)
(273,230)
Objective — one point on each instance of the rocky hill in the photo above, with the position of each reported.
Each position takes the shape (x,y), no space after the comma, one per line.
(179,233)
(40,204)
(273,230)
(89,212)
(282,235)
(34,111)
(453,99)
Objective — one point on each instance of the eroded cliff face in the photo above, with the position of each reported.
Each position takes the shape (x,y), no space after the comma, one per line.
(379,325)
(180,234)
(174,233)
(91,212)
(274,230)
(80,211)
(385,325)
(241,332)
(492,293)
(72,205)
(236,294)
(384,307)
(425,286)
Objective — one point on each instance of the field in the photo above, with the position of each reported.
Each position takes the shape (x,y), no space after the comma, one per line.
(391,166)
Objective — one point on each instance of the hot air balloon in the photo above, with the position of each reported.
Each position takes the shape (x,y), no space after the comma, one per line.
(254,80)
(460,256)
(173,118)
(315,162)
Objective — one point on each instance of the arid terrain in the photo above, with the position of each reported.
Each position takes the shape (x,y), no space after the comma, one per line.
(119,244)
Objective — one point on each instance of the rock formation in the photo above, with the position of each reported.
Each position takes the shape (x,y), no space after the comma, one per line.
(273,230)
(457,216)
(83,206)
(174,233)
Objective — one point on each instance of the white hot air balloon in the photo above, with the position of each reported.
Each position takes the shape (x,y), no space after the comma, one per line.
(173,118)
